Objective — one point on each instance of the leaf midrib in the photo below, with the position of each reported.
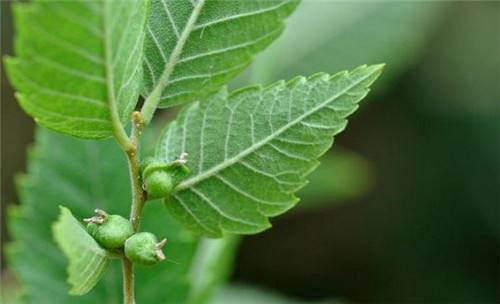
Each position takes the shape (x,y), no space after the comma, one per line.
(118,129)
(175,55)
(214,170)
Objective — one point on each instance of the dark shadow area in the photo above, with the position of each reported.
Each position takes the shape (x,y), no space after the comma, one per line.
(429,230)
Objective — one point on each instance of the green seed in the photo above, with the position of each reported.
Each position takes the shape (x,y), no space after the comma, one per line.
(160,177)
(143,248)
(158,184)
(110,231)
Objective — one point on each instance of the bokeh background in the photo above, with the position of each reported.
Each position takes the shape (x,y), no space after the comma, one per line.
(406,206)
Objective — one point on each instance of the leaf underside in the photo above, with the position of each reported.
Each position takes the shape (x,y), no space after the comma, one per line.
(87,260)
(79,63)
(250,150)
(202,44)
(72,172)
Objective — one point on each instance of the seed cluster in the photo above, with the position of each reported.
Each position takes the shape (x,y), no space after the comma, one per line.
(114,232)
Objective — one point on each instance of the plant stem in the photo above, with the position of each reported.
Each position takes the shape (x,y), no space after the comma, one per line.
(128,281)
(138,199)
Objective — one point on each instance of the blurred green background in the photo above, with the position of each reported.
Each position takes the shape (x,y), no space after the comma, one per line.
(406,206)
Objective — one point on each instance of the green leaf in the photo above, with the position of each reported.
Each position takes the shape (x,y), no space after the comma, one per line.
(248,295)
(211,267)
(195,46)
(342,177)
(250,150)
(79,64)
(243,294)
(87,260)
(65,170)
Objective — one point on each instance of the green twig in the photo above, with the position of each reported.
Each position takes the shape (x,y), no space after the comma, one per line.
(128,281)
(138,199)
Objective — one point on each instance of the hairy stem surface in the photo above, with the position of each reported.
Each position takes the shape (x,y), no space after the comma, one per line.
(138,199)
(128,281)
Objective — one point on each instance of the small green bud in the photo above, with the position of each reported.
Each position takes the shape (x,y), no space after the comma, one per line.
(143,248)
(160,178)
(110,231)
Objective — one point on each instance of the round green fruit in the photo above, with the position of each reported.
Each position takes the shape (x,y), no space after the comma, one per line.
(143,248)
(158,184)
(112,232)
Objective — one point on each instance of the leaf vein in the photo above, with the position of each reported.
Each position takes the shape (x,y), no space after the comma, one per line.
(208,173)
(227,49)
(170,18)
(220,211)
(248,195)
(237,16)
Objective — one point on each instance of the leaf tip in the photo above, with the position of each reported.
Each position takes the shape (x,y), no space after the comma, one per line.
(376,70)
(63,210)
(379,67)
